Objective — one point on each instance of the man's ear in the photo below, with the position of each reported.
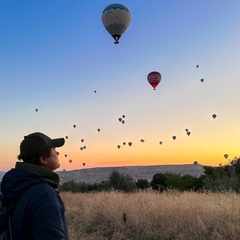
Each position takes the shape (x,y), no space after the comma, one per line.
(42,161)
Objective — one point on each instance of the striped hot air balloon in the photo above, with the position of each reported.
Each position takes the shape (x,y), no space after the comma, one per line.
(154,78)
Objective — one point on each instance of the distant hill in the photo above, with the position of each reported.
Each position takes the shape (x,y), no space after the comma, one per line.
(91,175)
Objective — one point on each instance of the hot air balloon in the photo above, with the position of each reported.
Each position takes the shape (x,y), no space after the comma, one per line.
(188,133)
(202,80)
(130,144)
(123,116)
(119,119)
(82,140)
(154,79)
(70,161)
(66,137)
(84,147)
(118,146)
(214,115)
(36,109)
(123,121)
(124,143)
(160,142)
(197,66)
(141,140)
(225,155)
(95,91)
(116,19)
(84,164)
(186,129)
(65,155)
(74,125)
(174,137)
(81,148)
(195,163)
(98,129)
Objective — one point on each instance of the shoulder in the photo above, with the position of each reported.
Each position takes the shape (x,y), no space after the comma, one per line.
(41,189)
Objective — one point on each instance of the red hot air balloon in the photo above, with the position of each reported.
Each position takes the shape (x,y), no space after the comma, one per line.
(154,79)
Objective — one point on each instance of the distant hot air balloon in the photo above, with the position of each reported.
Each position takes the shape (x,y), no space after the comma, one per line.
(214,115)
(84,147)
(130,144)
(188,133)
(118,146)
(160,142)
(174,137)
(70,161)
(154,79)
(81,148)
(123,116)
(197,66)
(66,137)
(65,155)
(202,80)
(225,155)
(119,119)
(124,143)
(186,129)
(82,140)
(74,125)
(95,91)
(36,109)
(116,19)
(141,140)
(98,129)
(123,121)
(195,163)
(84,164)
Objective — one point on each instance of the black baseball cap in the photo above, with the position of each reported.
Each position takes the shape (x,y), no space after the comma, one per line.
(34,143)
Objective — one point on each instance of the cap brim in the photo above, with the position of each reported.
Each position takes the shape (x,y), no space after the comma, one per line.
(57,142)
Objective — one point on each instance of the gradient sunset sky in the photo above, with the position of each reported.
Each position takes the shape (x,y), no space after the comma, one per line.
(55,54)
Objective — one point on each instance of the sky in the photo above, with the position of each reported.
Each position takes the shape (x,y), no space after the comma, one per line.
(57,57)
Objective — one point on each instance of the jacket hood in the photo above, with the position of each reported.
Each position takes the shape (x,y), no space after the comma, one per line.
(25,175)
(16,180)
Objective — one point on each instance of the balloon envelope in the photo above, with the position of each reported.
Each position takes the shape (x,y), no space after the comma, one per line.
(154,79)
(226,156)
(116,19)
(214,116)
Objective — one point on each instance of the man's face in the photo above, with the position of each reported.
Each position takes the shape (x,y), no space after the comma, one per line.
(52,161)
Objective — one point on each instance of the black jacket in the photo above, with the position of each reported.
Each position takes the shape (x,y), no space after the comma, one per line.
(39,213)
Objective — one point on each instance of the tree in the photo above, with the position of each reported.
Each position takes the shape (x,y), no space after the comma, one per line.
(122,182)
(142,184)
(159,182)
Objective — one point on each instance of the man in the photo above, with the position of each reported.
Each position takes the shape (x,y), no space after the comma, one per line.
(39,212)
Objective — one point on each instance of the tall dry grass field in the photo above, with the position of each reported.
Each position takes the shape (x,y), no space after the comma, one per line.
(152,216)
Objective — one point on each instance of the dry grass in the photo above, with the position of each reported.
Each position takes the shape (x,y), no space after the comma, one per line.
(153,216)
